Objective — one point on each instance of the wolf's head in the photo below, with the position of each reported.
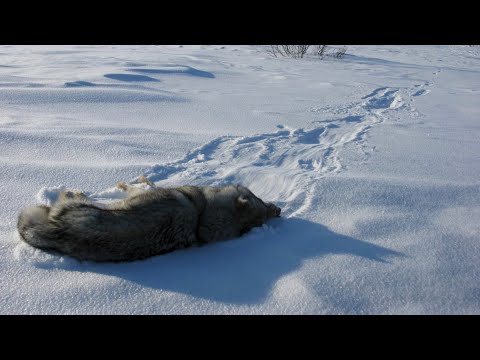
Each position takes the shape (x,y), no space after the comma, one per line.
(231,211)
(253,211)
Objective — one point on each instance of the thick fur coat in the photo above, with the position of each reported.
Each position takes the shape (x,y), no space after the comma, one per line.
(146,223)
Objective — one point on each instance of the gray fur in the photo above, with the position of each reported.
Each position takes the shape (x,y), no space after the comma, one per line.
(146,223)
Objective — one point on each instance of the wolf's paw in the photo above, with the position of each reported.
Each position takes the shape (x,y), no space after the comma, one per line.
(122,185)
(72,195)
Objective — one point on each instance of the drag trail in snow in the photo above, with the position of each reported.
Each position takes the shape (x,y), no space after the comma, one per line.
(285,166)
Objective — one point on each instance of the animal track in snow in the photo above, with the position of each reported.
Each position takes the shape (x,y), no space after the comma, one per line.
(421,89)
(388,99)
(421,92)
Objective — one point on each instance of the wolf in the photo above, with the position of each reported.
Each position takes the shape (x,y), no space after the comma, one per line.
(146,223)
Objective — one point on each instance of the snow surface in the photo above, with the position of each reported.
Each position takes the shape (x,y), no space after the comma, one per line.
(374,159)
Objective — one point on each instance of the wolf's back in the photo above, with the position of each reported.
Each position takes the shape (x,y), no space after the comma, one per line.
(140,228)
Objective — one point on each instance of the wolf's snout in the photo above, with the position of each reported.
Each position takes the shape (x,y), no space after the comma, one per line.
(273,210)
(277,211)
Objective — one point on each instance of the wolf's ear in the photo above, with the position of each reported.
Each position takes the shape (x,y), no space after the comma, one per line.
(243,202)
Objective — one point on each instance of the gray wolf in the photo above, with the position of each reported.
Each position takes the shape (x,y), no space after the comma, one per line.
(146,223)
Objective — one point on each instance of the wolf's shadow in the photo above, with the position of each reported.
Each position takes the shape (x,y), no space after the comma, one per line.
(243,270)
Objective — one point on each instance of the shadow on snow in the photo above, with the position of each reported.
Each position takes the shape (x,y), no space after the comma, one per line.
(244,270)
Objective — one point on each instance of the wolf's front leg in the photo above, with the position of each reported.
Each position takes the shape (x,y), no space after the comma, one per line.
(132,190)
(129,189)
(69,195)
(144,180)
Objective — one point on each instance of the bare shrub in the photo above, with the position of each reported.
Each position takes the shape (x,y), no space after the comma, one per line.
(294,51)
(299,51)
(319,50)
(339,53)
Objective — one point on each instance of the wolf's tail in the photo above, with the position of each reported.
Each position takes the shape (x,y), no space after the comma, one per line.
(35,229)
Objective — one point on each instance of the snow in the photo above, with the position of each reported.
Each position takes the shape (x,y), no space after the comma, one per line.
(373,158)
